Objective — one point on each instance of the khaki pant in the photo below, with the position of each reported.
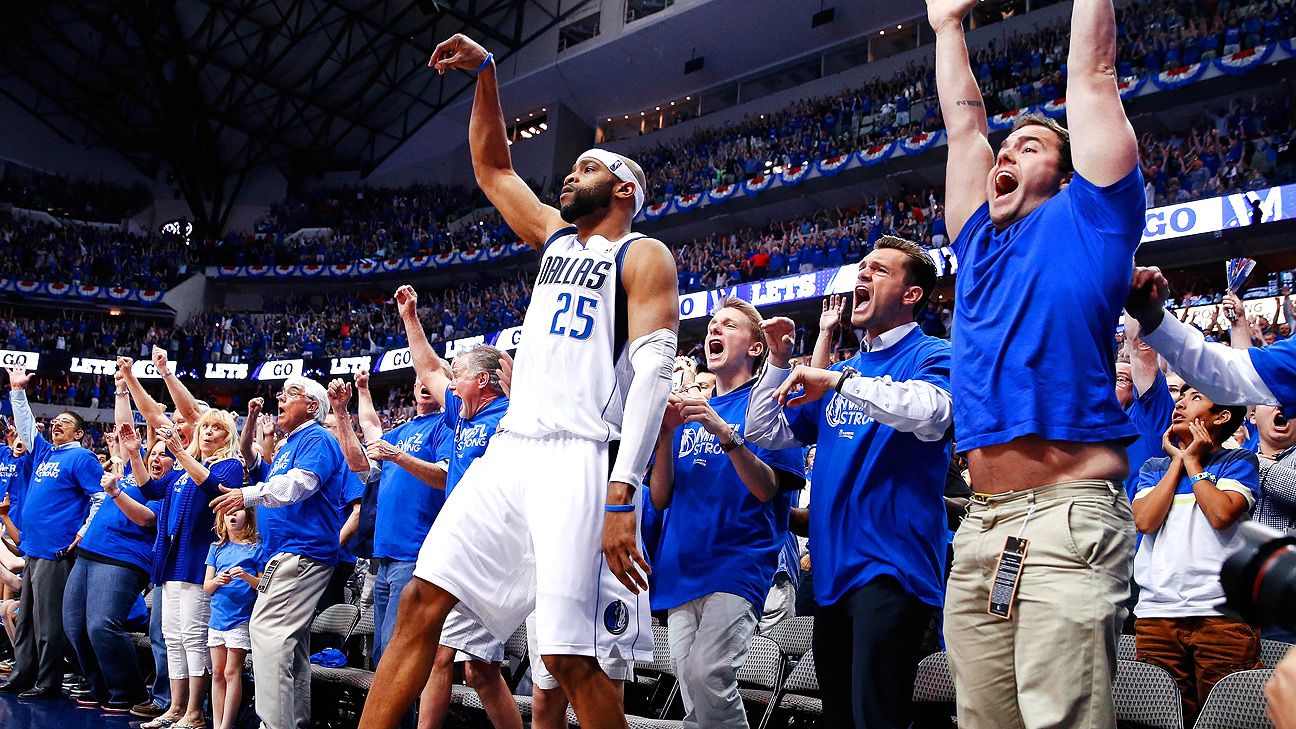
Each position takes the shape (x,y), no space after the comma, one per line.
(1054,662)
(1197,652)
(280,632)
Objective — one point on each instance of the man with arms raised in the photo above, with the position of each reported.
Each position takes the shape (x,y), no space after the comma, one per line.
(541,521)
(1045,232)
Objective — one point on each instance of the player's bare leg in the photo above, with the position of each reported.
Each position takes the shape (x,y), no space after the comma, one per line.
(596,698)
(407,661)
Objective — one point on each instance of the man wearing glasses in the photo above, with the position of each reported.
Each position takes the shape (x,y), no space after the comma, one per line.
(64,494)
(303,488)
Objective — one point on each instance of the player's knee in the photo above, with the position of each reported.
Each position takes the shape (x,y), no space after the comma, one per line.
(423,603)
(570,669)
(481,675)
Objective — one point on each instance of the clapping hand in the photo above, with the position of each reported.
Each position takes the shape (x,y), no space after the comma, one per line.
(830,318)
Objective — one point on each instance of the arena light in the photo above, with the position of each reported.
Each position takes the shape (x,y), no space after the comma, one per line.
(114,312)
(544,126)
(658,109)
(525,134)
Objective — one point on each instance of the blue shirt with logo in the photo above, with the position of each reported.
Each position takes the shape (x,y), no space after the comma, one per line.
(877,508)
(471,435)
(231,605)
(190,523)
(1036,305)
(309,527)
(114,536)
(407,506)
(15,473)
(58,496)
(716,535)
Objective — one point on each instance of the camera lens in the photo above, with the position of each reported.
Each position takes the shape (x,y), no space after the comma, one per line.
(1260,578)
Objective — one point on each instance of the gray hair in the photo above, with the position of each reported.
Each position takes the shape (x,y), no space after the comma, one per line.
(315,391)
(483,358)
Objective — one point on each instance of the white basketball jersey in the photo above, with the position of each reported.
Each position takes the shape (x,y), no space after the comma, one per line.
(571,371)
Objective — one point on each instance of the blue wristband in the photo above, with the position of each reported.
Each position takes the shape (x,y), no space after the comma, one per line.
(618,507)
(489,57)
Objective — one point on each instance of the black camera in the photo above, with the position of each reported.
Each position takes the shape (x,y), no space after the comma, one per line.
(1260,578)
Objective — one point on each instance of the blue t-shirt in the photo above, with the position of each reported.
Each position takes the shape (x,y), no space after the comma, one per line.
(114,536)
(353,490)
(15,473)
(1150,413)
(190,523)
(407,506)
(716,535)
(877,506)
(231,605)
(1276,364)
(471,435)
(57,499)
(311,526)
(1035,308)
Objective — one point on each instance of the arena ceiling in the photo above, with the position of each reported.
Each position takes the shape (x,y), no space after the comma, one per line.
(210,89)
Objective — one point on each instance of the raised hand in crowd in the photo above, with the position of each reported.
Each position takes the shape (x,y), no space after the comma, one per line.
(160,362)
(505,373)
(381,450)
(407,302)
(254,407)
(18,378)
(362,380)
(129,438)
(108,482)
(780,332)
(339,396)
(830,319)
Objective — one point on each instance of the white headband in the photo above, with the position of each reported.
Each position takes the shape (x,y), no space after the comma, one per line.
(616,164)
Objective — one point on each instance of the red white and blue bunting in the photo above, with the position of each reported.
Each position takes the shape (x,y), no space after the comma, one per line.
(149,296)
(1000,122)
(470,256)
(653,212)
(1236,64)
(445,259)
(875,154)
(1182,76)
(1055,109)
(1128,89)
(27,287)
(792,175)
(311,270)
(117,293)
(58,289)
(833,166)
(688,202)
(722,193)
(758,184)
(920,143)
(86,291)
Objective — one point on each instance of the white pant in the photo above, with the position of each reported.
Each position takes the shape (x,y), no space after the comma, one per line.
(523,531)
(185,612)
(709,640)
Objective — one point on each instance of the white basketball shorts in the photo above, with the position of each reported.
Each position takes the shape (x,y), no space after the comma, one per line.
(523,531)
(470,639)
(617,669)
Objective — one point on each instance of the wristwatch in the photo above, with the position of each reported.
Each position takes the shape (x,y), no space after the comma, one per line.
(847,373)
(735,441)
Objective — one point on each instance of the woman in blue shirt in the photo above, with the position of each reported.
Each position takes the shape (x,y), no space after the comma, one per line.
(185,533)
(234,566)
(111,570)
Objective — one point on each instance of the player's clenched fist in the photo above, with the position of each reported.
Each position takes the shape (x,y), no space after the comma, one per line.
(407,301)
(457,51)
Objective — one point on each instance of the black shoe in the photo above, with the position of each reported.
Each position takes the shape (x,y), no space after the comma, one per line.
(40,694)
(78,691)
(13,687)
(118,707)
(88,701)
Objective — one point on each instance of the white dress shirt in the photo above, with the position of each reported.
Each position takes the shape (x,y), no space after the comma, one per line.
(1223,374)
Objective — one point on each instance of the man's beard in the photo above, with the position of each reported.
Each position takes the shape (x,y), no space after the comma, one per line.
(586,202)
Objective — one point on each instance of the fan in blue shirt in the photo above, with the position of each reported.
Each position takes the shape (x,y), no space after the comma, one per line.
(1144,394)
(724,521)
(63,496)
(15,473)
(881,426)
(473,393)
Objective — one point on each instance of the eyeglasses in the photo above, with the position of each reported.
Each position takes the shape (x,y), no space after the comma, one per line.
(287,394)
(63,421)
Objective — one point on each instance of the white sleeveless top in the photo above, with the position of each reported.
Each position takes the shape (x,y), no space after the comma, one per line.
(571,371)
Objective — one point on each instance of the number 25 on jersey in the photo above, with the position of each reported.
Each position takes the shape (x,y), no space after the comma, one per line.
(575,316)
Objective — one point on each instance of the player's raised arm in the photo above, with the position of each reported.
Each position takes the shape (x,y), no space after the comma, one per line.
(531,219)
(1104,148)
(970,155)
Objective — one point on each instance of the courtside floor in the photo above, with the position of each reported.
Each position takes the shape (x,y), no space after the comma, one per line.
(60,714)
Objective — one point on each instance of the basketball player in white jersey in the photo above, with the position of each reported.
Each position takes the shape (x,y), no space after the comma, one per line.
(547,517)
